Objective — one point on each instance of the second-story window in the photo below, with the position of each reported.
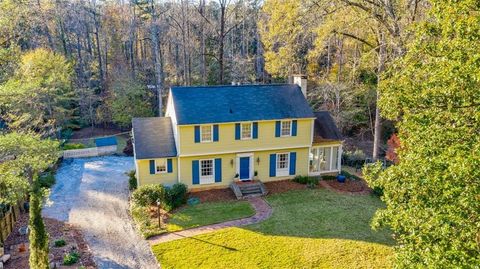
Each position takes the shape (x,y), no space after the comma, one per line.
(286,128)
(246,131)
(206,133)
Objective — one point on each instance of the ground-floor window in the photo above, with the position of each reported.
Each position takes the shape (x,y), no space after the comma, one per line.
(324,159)
(207,171)
(160,166)
(282,164)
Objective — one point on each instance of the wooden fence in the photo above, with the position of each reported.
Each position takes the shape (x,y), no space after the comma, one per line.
(7,221)
(89,152)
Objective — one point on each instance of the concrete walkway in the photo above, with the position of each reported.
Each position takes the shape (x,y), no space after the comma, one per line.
(262,209)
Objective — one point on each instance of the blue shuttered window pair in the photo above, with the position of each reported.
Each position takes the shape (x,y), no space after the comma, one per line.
(153,168)
(238,130)
(292,164)
(278,128)
(196,171)
(215,135)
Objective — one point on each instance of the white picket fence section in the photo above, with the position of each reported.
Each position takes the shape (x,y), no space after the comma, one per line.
(89,152)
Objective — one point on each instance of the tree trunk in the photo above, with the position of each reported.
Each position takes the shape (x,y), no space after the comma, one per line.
(221,42)
(382,51)
(157,59)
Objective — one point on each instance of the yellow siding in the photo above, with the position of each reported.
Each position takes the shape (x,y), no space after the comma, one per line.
(229,170)
(227,143)
(144,176)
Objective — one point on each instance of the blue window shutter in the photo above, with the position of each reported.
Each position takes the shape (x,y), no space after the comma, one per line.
(152,167)
(237,131)
(215,132)
(169,166)
(255,130)
(273,165)
(218,170)
(293,161)
(277,128)
(294,127)
(195,173)
(197,134)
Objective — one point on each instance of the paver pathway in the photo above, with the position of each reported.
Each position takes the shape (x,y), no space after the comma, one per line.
(262,209)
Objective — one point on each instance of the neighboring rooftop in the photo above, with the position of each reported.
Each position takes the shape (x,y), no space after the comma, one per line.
(325,127)
(216,104)
(153,138)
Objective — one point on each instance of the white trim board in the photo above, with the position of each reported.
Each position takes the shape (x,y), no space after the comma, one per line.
(242,151)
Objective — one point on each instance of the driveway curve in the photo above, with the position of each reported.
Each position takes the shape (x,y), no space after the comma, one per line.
(92,193)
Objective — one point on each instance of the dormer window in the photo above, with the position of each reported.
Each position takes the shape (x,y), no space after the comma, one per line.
(246,130)
(206,132)
(286,128)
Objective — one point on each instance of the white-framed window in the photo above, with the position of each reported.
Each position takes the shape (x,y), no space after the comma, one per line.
(206,133)
(286,128)
(246,130)
(283,164)
(160,166)
(207,171)
(325,159)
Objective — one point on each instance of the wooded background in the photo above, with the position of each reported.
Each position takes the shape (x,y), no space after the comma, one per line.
(113,57)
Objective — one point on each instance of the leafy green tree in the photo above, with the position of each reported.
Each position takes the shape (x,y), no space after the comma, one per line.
(432,194)
(22,158)
(130,99)
(39,96)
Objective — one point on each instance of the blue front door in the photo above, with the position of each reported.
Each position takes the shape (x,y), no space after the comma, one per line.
(244,168)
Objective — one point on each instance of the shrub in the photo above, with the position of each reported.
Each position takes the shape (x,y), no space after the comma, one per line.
(128,149)
(71,258)
(60,243)
(310,181)
(148,194)
(47,180)
(378,191)
(132,180)
(329,177)
(350,176)
(68,146)
(175,196)
(301,179)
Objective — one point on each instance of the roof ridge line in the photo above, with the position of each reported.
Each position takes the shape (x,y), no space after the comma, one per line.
(227,85)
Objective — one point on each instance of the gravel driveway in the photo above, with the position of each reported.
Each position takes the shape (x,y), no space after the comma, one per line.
(92,193)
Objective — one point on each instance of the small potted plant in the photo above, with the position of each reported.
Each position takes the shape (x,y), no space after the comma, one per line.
(341,178)
(237,177)
(255,175)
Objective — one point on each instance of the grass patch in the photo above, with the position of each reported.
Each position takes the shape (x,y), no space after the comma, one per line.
(308,229)
(208,213)
(190,216)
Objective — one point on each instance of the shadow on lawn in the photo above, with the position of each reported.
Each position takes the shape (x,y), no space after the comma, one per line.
(206,242)
(323,214)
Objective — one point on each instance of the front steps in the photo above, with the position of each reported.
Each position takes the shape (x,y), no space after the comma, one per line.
(247,189)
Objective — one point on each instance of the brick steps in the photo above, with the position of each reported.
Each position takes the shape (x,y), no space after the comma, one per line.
(244,190)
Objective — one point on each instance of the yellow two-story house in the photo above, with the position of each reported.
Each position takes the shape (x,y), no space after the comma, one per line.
(213,135)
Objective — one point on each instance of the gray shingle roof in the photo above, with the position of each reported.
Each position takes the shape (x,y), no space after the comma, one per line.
(325,127)
(215,104)
(153,138)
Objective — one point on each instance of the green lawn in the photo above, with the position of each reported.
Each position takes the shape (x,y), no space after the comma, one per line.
(308,229)
(208,213)
(191,216)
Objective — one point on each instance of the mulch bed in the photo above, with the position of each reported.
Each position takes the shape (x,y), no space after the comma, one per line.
(283,186)
(56,230)
(215,195)
(349,186)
